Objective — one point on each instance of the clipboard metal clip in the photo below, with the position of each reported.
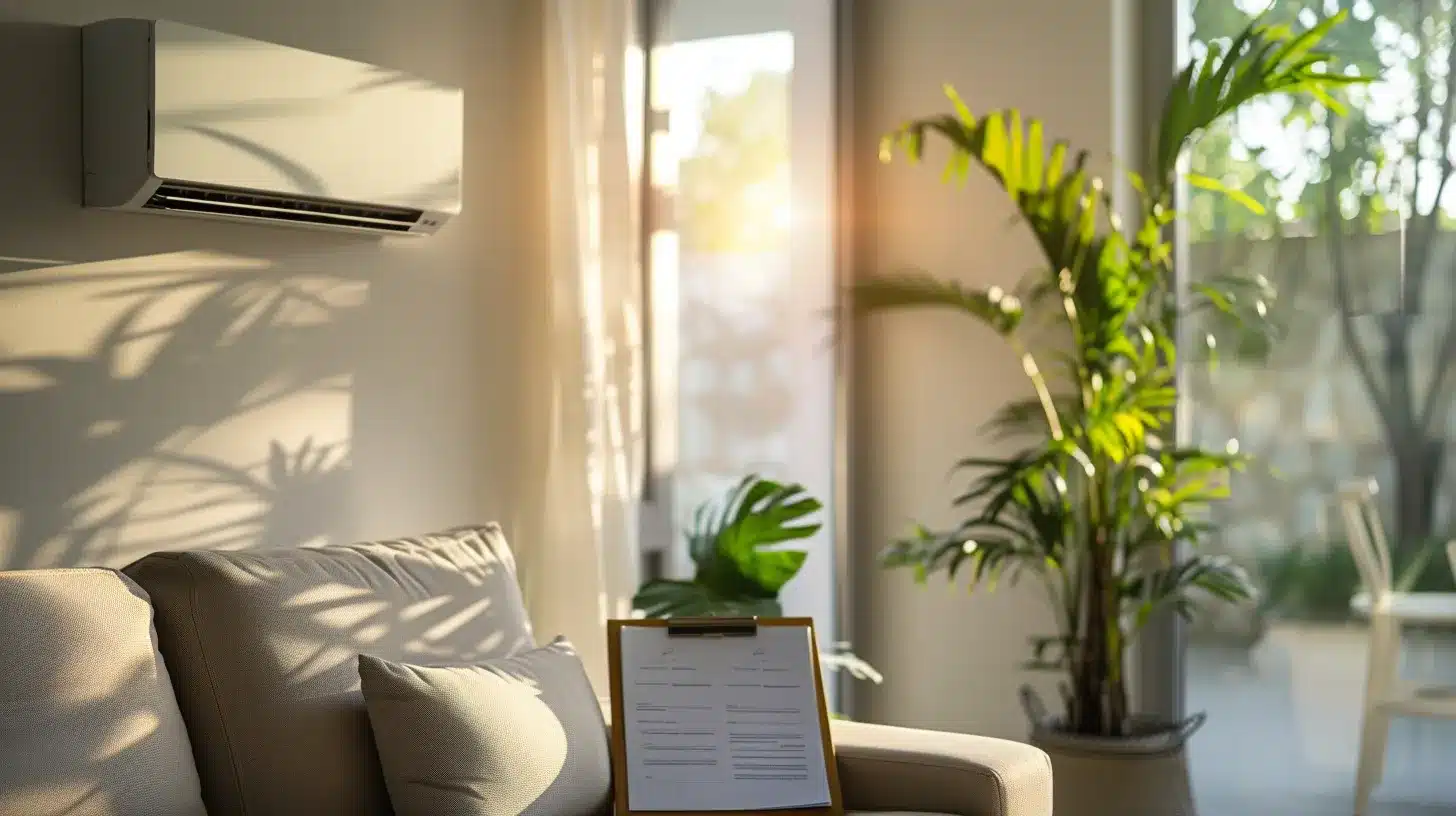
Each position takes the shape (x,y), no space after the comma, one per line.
(712,627)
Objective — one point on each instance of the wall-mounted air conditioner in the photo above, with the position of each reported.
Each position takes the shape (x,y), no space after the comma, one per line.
(187,121)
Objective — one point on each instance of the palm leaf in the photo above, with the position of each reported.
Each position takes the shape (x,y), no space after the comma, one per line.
(1263,59)
(993,307)
(1234,194)
(1025,417)
(1056,199)
(1178,586)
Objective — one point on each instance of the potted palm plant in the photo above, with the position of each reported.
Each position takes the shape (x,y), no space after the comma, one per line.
(1101,506)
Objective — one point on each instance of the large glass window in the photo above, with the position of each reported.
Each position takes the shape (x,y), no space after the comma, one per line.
(1354,263)
(743,274)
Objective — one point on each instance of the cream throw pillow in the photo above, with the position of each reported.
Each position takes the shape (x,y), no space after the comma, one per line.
(515,736)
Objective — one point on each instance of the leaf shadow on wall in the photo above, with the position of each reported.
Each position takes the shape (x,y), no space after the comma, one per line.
(148,437)
(176,383)
(172,382)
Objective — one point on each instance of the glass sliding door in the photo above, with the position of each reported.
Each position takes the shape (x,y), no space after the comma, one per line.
(743,272)
(1353,261)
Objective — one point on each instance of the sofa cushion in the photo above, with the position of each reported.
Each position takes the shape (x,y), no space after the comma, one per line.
(88,722)
(515,736)
(263,648)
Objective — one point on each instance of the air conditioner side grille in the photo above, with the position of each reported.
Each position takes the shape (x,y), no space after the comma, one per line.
(206,199)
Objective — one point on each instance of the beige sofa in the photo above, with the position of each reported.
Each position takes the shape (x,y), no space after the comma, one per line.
(229,680)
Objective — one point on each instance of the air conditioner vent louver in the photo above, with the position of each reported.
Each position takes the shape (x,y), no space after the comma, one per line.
(200,198)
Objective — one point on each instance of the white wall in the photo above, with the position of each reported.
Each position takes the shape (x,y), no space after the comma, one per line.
(143,380)
(925,383)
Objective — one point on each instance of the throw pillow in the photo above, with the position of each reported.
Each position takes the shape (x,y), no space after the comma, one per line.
(514,736)
(89,725)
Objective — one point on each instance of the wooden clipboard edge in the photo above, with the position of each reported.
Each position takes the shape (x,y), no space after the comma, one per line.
(619,736)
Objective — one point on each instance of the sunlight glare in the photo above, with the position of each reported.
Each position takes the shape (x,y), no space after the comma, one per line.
(782,215)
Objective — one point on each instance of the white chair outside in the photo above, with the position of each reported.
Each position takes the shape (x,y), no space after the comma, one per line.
(1386,695)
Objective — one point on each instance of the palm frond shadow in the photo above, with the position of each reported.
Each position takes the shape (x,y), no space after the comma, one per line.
(445,188)
(301,177)
(98,738)
(330,628)
(429,194)
(111,426)
(207,121)
(292,497)
(241,111)
(390,78)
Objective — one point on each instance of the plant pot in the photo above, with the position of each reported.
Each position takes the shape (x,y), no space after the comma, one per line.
(1145,774)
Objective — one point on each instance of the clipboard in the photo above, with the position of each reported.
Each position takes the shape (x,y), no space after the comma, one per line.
(717,628)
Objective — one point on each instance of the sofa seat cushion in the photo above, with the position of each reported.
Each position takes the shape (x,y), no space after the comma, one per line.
(89,725)
(263,647)
(514,736)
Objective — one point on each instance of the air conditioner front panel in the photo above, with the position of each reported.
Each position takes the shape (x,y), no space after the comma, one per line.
(236,113)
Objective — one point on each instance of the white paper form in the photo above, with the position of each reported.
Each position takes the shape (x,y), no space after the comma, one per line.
(722,723)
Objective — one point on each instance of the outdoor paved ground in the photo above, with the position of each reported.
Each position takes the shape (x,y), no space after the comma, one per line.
(1283,728)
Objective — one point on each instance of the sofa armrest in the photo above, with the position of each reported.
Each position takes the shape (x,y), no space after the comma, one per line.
(883,767)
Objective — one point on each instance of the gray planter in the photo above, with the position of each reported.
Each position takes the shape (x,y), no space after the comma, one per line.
(1141,775)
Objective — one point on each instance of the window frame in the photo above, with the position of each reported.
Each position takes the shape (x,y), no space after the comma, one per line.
(1163,29)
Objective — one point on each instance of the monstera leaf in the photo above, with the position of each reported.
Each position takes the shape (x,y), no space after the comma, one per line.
(686,599)
(739,570)
(730,541)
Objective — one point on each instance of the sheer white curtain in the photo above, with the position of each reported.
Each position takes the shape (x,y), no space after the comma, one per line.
(584,567)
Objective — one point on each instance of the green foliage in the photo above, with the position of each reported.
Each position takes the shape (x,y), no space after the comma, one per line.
(730,541)
(1265,58)
(737,177)
(1342,182)
(1092,510)
(1242,158)
(737,569)
(1315,580)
